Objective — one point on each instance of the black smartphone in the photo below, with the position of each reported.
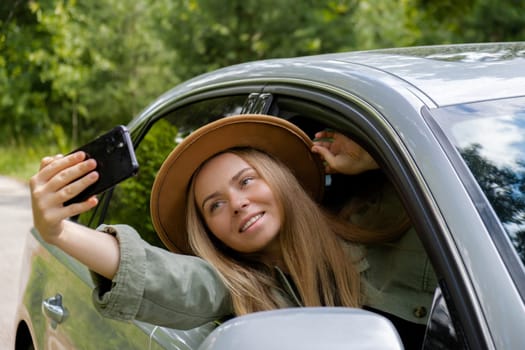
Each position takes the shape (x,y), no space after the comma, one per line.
(115,158)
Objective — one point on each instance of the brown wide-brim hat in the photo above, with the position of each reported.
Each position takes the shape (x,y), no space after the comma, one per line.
(275,136)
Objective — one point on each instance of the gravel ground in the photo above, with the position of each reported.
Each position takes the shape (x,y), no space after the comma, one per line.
(15,216)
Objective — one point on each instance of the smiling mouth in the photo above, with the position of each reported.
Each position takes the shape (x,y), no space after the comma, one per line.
(250,222)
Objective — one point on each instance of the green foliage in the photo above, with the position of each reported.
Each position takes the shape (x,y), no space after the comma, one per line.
(23,100)
(452,21)
(86,66)
(89,65)
(384,23)
(22,160)
(11,165)
(210,34)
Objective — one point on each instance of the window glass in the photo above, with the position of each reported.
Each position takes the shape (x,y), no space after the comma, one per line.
(490,137)
(441,331)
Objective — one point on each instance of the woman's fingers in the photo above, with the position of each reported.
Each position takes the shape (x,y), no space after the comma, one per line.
(76,184)
(323,138)
(51,166)
(341,154)
(80,207)
(62,173)
(60,178)
(327,133)
(47,160)
(328,157)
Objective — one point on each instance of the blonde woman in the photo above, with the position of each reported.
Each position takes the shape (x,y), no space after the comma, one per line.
(235,202)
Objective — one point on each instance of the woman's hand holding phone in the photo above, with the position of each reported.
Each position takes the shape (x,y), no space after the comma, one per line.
(115,158)
(67,186)
(59,179)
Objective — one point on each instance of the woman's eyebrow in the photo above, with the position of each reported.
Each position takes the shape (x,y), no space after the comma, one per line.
(234,178)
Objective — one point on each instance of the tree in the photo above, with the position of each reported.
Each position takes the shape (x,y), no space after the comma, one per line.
(459,21)
(23,102)
(83,66)
(76,68)
(210,34)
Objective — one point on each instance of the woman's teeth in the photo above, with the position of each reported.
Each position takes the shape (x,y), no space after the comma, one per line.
(250,222)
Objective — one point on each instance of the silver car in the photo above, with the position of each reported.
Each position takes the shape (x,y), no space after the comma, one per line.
(446,124)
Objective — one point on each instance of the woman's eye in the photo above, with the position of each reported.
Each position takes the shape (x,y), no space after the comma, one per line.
(214,206)
(246,180)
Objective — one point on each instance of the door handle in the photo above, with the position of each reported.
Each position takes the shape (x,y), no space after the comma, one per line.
(54,310)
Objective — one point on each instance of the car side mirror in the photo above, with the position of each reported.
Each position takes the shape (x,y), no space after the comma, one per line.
(327,328)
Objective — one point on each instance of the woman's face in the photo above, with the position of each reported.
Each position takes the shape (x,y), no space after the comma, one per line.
(238,206)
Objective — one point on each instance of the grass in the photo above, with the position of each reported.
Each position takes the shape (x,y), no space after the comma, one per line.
(22,162)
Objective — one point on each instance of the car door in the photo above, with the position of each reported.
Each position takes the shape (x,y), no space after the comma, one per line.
(58,300)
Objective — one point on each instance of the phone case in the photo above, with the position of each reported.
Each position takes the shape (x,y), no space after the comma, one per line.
(115,158)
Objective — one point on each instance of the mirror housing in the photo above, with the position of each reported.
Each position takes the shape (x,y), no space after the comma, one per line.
(327,328)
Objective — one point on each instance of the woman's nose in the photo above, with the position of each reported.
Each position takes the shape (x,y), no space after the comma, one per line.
(239,203)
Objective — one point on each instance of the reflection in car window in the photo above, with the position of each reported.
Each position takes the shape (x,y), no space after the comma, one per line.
(441,330)
(490,137)
(130,201)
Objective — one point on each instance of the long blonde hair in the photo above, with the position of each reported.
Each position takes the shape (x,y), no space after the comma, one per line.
(312,250)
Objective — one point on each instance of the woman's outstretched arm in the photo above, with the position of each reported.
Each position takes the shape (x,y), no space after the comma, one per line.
(59,179)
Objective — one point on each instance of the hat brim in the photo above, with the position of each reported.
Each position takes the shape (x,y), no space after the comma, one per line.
(272,135)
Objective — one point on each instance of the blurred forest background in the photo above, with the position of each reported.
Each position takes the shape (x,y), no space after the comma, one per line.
(72,69)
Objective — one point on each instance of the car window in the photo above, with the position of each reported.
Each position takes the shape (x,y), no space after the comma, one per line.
(130,200)
(490,138)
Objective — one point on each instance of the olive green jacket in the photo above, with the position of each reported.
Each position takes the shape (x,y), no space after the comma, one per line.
(400,274)
(402,278)
(159,287)
(178,291)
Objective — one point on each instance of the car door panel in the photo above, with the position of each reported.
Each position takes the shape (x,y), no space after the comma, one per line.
(59,284)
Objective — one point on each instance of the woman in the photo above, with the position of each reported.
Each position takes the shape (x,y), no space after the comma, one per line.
(225,195)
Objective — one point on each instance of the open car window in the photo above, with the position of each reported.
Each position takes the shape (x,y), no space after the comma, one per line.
(129,201)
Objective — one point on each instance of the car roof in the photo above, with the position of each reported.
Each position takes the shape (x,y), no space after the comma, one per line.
(452,74)
(436,75)
(439,75)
